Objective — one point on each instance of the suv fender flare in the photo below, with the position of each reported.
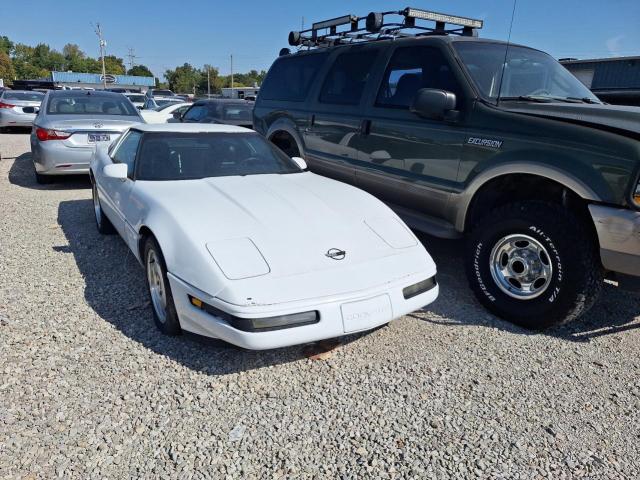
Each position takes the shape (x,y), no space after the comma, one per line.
(286,125)
(463,201)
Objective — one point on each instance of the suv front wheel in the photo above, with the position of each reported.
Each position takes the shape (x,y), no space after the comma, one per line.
(534,264)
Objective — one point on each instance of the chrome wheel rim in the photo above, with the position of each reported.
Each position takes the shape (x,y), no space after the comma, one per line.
(156,285)
(96,203)
(521,266)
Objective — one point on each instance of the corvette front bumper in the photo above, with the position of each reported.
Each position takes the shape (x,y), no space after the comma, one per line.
(338,314)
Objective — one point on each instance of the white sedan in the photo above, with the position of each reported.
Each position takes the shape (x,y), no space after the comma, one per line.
(240,242)
(164,113)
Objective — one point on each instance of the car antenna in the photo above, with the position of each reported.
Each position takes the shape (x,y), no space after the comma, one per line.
(506,52)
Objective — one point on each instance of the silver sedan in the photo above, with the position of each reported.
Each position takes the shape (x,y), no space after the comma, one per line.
(71,124)
(18,108)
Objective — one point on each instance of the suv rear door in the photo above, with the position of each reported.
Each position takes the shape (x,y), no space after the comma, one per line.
(404,159)
(336,117)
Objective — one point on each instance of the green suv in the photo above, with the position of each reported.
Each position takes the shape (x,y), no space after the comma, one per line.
(463,136)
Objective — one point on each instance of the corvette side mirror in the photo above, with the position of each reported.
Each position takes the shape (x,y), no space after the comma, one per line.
(117,171)
(300,162)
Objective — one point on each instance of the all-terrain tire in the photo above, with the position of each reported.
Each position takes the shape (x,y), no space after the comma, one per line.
(577,274)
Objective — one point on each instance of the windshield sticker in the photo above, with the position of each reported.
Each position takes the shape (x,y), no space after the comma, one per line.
(484,142)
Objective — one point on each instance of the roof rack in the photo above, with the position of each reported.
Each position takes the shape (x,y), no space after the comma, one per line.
(327,33)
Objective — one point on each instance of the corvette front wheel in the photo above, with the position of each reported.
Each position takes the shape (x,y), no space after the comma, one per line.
(164,310)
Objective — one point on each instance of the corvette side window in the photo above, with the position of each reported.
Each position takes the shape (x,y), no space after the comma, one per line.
(126,152)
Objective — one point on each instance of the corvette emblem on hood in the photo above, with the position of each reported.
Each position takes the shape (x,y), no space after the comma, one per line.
(336,254)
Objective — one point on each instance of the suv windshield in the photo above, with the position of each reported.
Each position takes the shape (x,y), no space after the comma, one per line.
(83,104)
(189,156)
(528,73)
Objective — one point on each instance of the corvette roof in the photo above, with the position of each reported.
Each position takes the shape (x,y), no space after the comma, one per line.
(189,128)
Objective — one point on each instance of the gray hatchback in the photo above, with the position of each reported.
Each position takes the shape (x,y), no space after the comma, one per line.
(69,126)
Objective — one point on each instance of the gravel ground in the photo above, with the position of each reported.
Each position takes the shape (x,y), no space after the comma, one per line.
(90,389)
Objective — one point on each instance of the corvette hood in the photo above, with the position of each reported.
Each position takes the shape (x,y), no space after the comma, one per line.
(617,117)
(281,225)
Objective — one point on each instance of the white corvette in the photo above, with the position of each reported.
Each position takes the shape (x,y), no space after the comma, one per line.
(240,242)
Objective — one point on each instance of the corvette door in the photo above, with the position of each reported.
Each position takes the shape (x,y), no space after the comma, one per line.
(117,191)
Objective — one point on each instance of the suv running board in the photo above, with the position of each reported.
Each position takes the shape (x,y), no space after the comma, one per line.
(425,223)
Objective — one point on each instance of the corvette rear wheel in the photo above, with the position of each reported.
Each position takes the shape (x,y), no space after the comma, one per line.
(164,310)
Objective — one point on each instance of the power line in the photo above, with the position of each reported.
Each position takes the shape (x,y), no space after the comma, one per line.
(132,56)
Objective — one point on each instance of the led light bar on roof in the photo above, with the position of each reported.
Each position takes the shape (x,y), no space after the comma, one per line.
(334,22)
(441,17)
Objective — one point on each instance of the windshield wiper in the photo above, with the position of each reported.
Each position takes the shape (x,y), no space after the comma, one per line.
(528,98)
(585,100)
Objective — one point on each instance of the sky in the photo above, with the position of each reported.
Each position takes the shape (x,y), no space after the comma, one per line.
(164,34)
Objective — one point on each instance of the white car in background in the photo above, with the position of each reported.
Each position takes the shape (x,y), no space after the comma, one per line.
(240,242)
(165,113)
(136,98)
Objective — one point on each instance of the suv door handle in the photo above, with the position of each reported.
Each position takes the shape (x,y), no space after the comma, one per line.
(312,121)
(365,127)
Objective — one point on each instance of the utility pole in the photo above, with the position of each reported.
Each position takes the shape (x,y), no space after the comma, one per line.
(132,57)
(103,44)
(231,75)
(302,25)
(208,82)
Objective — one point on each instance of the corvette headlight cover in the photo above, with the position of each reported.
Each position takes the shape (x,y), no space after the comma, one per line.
(238,258)
(392,231)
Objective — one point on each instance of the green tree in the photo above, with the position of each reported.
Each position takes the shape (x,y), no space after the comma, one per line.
(71,51)
(75,58)
(24,63)
(6,45)
(140,71)
(114,65)
(7,71)
(214,79)
(183,79)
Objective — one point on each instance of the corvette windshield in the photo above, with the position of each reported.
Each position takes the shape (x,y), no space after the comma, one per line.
(528,74)
(189,156)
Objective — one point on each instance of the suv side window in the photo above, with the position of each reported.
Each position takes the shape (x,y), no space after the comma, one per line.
(126,152)
(347,78)
(290,77)
(196,113)
(413,68)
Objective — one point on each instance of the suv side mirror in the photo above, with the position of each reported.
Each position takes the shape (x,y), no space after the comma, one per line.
(177,116)
(300,162)
(434,104)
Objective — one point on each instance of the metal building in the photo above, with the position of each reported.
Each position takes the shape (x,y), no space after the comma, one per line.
(94,81)
(614,80)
